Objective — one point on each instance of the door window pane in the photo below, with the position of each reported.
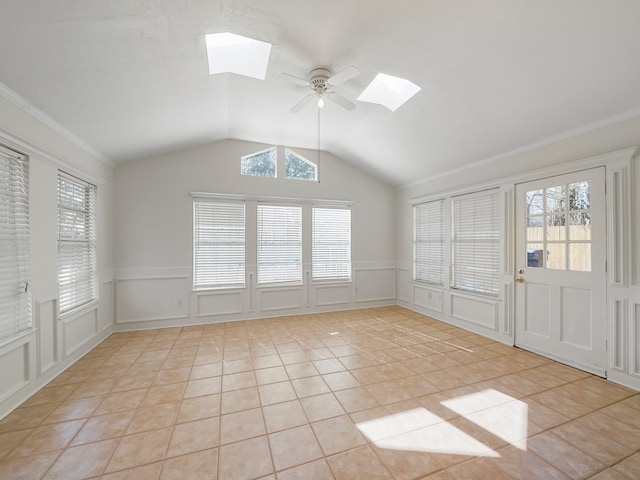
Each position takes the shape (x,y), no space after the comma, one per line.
(580,196)
(580,257)
(555,197)
(558,227)
(535,255)
(556,256)
(535,202)
(535,231)
(580,226)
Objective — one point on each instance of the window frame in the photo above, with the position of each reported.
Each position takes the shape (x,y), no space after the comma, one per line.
(254,154)
(14,290)
(85,285)
(423,239)
(314,247)
(287,153)
(479,238)
(196,240)
(298,280)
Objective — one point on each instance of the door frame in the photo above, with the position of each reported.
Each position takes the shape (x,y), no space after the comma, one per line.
(591,358)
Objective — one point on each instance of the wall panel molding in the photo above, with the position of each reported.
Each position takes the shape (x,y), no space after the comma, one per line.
(148,297)
(17,363)
(429,297)
(79,330)
(619,207)
(327,295)
(47,334)
(374,284)
(151,298)
(219,302)
(273,299)
(475,309)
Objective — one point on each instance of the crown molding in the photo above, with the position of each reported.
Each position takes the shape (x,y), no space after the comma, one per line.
(588,128)
(36,113)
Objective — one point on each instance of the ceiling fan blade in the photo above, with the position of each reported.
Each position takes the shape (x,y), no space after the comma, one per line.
(297,80)
(340,100)
(302,103)
(344,75)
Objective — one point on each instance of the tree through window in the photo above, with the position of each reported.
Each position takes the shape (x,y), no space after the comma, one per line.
(298,167)
(260,164)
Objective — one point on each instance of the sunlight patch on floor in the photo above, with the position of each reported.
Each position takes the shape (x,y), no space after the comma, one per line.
(419,430)
(497,413)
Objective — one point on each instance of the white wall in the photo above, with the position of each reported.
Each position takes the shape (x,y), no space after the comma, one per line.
(32,359)
(612,146)
(153,237)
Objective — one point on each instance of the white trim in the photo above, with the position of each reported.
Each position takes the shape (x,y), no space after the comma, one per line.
(576,132)
(154,277)
(266,198)
(550,171)
(33,152)
(36,113)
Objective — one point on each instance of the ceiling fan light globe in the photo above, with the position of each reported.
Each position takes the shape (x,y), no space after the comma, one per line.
(320,102)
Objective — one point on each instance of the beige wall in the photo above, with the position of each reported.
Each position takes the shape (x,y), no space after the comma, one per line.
(153,237)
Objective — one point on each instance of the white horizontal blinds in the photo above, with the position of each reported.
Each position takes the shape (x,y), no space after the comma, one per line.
(475,242)
(331,244)
(429,242)
(218,244)
(77,265)
(279,244)
(15,261)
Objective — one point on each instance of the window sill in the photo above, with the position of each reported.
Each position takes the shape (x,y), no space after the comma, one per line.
(217,289)
(280,285)
(473,294)
(332,282)
(433,286)
(8,342)
(79,311)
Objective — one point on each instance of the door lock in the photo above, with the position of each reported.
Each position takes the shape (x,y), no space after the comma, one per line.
(521,271)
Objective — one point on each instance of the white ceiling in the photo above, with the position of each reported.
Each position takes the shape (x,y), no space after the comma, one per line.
(130,77)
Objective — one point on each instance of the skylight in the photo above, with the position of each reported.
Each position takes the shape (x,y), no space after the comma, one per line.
(231,53)
(389,91)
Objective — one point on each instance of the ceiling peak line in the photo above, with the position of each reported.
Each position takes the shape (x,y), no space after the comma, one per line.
(37,114)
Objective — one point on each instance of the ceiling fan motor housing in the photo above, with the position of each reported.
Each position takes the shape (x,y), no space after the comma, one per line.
(318,79)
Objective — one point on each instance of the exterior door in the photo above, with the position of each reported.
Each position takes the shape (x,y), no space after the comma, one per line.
(560,269)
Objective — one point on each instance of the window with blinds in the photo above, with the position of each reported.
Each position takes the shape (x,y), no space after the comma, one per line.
(218,244)
(476,242)
(429,242)
(331,244)
(15,263)
(77,262)
(279,244)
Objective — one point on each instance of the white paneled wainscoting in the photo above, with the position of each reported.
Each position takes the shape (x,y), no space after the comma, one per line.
(155,298)
(32,359)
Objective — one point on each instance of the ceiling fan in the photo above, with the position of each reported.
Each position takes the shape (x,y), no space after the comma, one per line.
(322,81)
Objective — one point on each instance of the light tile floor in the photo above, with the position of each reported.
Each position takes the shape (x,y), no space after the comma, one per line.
(382,393)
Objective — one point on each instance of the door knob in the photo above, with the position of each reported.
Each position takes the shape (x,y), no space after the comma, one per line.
(521,271)
(520,280)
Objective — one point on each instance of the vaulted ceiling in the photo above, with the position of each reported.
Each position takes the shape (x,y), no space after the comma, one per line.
(130,77)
